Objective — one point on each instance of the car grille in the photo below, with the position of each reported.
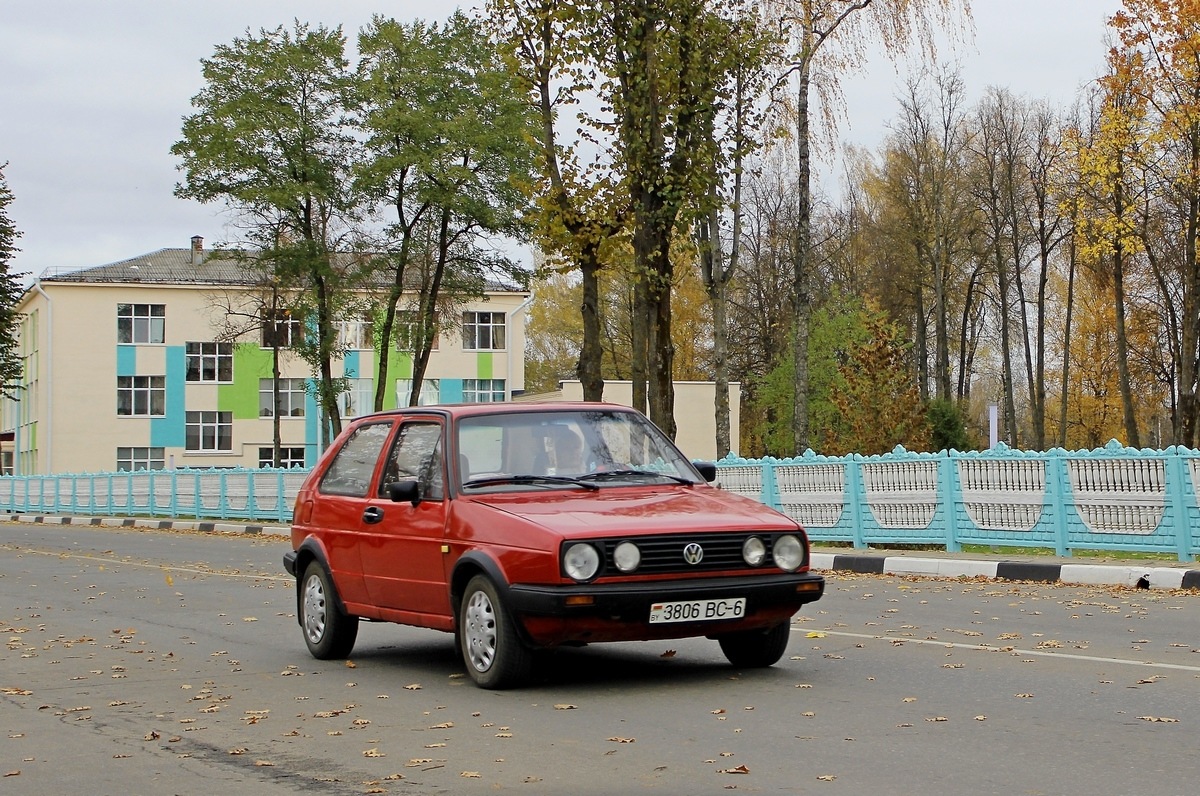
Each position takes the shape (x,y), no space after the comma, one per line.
(664,554)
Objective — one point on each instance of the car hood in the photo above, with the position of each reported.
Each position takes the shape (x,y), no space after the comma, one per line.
(634,511)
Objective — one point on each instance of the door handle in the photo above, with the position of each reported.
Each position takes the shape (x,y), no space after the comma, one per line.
(372,515)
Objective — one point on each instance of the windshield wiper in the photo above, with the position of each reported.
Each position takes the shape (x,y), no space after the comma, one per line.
(529,479)
(605,475)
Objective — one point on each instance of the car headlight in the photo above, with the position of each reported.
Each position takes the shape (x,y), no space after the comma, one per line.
(581,561)
(627,556)
(788,552)
(754,551)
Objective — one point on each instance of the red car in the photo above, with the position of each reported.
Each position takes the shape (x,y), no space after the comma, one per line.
(526,526)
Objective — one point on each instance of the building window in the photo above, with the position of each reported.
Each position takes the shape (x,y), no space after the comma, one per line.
(410,331)
(482,391)
(359,398)
(281,330)
(210,362)
(291,398)
(129,459)
(209,431)
(141,323)
(356,334)
(288,457)
(142,395)
(431,392)
(483,331)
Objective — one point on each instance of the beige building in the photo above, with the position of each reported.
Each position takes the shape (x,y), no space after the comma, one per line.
(130,366)
(695,416)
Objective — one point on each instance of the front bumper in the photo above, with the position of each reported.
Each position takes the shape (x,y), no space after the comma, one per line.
(631,601)
(593,612)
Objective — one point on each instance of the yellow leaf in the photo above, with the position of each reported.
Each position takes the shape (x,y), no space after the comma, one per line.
(470,774)
(815,634)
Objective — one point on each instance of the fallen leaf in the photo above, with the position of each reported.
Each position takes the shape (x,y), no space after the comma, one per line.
(445,725)
(564,706)
(736,770)
(619,739)
(936,718)
(374,753)
(1159,718)
(470,774)
(668,654)
(413,687)
(814,634)
(827,777)
(16,772)
(351,665)
(263,763)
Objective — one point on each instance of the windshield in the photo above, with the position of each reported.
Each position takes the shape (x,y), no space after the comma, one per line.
(565,450)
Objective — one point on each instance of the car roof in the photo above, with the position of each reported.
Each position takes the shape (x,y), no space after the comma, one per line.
(501,407)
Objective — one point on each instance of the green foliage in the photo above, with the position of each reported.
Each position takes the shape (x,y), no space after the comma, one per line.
(10,296)
(947,427)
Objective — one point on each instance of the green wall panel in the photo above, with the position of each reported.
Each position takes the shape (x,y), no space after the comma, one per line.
(251,362)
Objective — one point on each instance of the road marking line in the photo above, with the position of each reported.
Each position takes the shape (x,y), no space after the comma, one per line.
(1015,651)
(147,565)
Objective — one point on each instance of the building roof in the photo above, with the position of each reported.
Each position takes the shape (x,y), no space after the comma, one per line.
(165,266)
(193,266)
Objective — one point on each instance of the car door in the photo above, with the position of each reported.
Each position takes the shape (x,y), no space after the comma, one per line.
(402,543)
(344,492)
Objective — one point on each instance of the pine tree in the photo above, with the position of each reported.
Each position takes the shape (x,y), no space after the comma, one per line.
(10,295)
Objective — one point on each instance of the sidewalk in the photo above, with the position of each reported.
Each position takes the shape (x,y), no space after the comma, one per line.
(1112,570)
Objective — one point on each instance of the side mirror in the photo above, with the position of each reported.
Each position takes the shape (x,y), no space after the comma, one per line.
(707,470)
(401,491)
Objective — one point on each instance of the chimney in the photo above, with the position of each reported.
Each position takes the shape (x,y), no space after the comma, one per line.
(197,250)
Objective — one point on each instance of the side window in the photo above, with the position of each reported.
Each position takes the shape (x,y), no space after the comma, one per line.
(352,468)
(417,456)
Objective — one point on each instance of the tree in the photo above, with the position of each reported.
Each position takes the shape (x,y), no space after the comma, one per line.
(1108,164)
(447,152)
(1157,66)
(580,209)
(830,37)
(269,139)
(11,368)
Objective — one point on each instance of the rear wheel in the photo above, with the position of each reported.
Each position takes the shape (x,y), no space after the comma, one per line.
(494,654)
(756,648)
(328,631)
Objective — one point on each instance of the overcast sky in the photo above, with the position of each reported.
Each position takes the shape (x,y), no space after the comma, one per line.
(92,94)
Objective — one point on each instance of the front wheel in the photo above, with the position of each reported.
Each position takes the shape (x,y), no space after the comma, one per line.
(328,631)
(494,654)
(756,648)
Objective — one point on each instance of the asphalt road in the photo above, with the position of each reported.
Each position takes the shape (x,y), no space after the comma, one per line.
(150,662)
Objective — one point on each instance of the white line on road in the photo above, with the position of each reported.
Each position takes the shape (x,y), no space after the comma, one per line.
(1013,650)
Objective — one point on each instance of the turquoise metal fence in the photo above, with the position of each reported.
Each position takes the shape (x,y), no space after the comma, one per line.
(264,495)
(1111,498)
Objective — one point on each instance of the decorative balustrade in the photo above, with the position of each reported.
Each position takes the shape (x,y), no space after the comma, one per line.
(1111,498)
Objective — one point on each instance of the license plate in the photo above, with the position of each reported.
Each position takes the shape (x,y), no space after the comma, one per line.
(698,610)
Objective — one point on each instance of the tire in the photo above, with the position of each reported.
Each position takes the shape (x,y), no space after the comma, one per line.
(493,653)
(752,649)
(329,632)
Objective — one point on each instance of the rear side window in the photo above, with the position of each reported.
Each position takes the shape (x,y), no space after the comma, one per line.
(350,472)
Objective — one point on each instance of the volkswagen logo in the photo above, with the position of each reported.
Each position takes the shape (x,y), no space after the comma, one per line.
(693,553)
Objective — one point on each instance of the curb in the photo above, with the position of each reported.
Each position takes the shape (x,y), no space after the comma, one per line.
(1141,577)
(207,526)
